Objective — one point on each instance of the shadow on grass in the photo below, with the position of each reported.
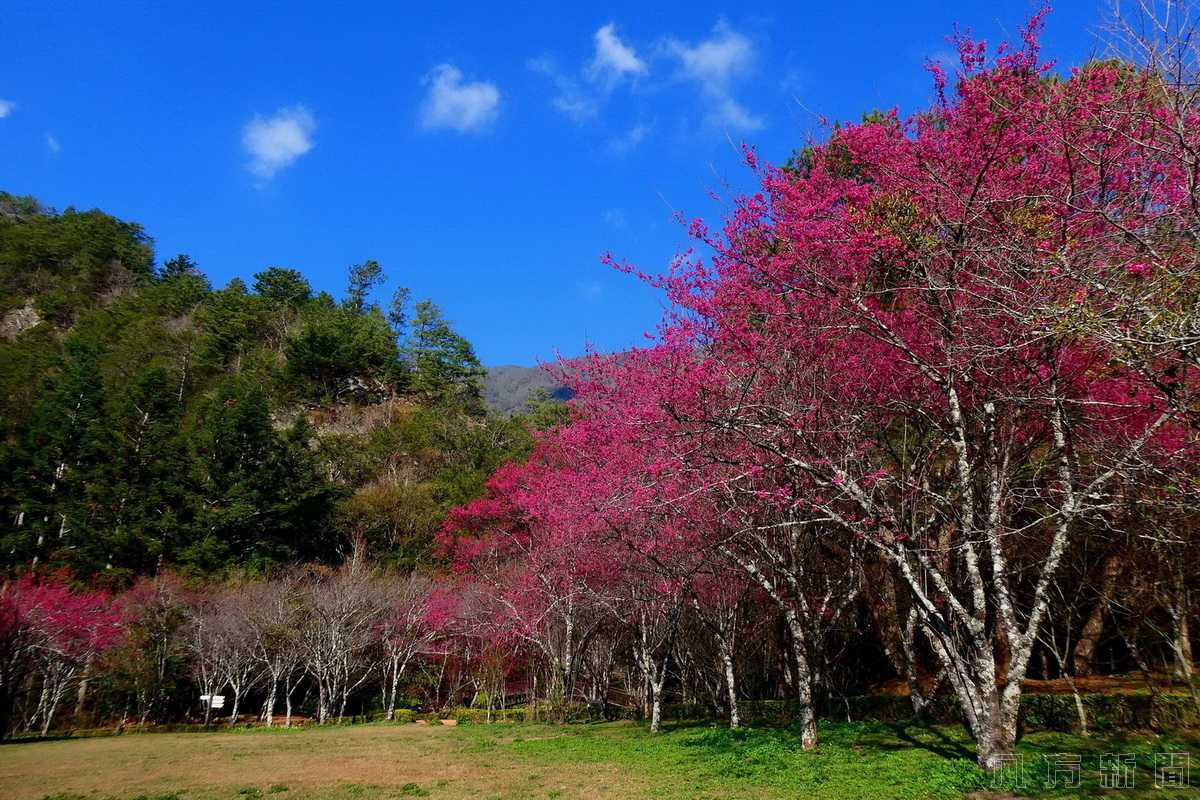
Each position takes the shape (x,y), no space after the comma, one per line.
(900,735)
(931,738)
(56,737)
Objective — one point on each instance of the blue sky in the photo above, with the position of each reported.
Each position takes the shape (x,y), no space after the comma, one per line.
(486,154)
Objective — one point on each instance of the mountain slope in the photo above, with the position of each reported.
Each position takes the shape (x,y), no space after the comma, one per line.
(508,387)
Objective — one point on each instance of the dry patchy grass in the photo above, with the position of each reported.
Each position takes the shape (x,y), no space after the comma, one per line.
(359,761)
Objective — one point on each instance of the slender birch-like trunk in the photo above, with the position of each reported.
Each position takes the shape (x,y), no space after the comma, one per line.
(731,685)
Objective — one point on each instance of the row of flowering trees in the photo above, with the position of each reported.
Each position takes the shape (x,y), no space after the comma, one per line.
(326,632)
(315,639)
(933,368)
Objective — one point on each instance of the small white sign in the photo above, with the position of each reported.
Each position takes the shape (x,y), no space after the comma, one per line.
(218,700)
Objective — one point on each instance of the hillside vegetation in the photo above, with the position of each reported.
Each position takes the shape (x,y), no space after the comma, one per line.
(148,417)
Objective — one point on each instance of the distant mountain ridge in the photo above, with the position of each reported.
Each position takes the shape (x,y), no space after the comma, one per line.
(508,387)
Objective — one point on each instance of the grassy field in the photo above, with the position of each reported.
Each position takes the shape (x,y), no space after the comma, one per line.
(617,760)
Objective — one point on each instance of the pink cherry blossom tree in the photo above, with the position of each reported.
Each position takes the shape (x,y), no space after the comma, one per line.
(893,329)
(49,632)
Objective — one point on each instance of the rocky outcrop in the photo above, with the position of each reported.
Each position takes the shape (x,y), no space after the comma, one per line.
(17,321)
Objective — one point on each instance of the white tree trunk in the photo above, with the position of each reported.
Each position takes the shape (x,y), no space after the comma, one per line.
(731,684)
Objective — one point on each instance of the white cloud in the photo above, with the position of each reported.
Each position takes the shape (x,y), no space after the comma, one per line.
(630,139)
(714,64)
(571,100)
(614,59)
(52,144)
(716,60)
(581,94)
(458,105)
(275,142)
(727,111)
(575,106)
(6,108)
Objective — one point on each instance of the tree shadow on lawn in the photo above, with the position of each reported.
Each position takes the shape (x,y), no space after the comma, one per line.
(53,737)
(927,737)
(856,736)
(862,737)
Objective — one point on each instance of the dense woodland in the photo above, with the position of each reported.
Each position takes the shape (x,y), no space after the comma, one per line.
(148,418)
(923,413)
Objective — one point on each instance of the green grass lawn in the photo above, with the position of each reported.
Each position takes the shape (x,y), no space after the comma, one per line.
(856,762)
